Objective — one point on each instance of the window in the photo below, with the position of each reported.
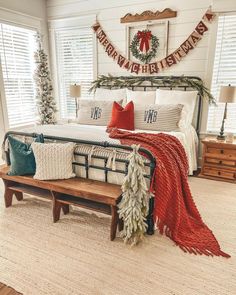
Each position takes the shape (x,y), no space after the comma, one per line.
(17,46)
(74,49)
(224,73)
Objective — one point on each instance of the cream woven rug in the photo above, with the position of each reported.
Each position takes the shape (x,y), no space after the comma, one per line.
(75,256)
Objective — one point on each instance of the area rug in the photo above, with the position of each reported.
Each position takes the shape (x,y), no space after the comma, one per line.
(6,290)
(75,256)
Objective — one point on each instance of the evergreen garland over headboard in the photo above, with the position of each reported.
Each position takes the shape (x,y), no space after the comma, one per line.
(195,83)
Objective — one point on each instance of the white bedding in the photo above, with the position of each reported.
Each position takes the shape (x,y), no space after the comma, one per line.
(187,136)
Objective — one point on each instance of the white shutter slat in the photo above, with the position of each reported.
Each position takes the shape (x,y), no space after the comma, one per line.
(74,49)
(224,73)
(17,46)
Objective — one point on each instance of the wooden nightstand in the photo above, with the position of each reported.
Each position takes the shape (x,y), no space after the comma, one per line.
(219,160)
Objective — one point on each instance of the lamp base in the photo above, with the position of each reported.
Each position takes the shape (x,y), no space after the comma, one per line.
(221,137)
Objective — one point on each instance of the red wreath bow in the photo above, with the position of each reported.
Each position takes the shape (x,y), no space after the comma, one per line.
(144,37)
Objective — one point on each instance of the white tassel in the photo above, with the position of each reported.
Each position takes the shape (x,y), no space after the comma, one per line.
(111,162)
(91,154)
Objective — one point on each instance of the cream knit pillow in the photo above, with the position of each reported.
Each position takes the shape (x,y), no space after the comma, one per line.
(53,160)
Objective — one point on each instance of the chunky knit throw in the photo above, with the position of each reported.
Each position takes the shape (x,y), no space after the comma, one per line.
(175,212)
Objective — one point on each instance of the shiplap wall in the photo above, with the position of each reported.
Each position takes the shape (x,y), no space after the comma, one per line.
(109,12)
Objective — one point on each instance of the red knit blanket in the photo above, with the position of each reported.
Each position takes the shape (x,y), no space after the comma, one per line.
(175,212)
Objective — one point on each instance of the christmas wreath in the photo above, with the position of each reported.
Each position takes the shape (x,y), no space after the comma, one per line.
(141,47)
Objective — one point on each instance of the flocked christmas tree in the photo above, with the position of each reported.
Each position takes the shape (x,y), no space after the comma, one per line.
(46,103)
(133,208)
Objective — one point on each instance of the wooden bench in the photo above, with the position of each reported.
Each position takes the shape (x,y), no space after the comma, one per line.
(90,194)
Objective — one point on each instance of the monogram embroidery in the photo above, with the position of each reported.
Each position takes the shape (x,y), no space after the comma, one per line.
(150,116)
(96,113)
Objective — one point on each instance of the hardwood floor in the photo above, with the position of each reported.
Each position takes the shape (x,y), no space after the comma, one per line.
(6,290)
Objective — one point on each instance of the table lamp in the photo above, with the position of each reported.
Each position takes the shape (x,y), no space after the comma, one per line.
(227,95)
(75,91)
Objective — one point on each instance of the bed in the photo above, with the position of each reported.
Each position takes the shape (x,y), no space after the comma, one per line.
(101,158)
(187,137)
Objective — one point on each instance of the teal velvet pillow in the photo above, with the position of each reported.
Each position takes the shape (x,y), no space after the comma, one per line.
(22,157)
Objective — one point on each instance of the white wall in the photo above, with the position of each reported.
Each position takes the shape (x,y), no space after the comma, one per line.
(189,12)
(109,12)
(35,8)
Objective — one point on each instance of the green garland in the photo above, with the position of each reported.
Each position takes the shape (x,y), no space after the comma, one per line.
(167,81)
(144,57)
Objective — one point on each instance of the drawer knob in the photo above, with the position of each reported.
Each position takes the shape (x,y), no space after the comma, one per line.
(220,162)
(219,173)
(221,151)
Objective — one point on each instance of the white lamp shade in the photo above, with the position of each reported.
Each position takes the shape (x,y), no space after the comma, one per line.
(75,90)
(227,94)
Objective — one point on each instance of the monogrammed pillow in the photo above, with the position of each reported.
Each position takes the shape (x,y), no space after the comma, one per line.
(53,160)
(157,117)
(94,112)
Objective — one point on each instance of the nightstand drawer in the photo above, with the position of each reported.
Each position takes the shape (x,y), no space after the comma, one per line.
(219,173)
(229,153)
(220,162)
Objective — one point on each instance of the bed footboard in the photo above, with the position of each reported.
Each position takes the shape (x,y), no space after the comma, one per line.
(151,163)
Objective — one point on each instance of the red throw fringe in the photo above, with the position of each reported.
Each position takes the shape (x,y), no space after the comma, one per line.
(175,212)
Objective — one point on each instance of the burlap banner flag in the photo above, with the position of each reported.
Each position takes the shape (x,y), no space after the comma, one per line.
(156,66)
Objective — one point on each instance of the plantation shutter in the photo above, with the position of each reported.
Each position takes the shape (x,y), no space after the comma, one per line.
(74,48)
(17,46)
(224,73)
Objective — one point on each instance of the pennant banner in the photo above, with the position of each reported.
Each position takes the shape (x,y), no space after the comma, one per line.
(157,66)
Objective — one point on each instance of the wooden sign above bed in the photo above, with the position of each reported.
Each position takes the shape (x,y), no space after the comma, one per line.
(158,65)
(148,15)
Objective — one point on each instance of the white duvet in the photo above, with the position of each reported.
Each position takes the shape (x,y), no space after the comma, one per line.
(187,136)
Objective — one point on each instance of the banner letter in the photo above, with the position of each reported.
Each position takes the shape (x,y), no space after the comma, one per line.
(153,68)
(109,49)
(135,68)
(170,60)
(201,28)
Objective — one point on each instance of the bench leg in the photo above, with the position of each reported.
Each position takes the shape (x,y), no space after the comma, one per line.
(66,208)
(8,197)
(19,196)
(114,222)
(56,209)
(8,194)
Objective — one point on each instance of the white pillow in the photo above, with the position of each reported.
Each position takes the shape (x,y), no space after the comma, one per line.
(141,97)
(110,94)
(186,98)
(53,160)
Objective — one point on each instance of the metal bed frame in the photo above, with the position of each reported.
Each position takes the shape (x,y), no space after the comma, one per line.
(151,163)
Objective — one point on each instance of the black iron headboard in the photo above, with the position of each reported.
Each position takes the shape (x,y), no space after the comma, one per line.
(148,83)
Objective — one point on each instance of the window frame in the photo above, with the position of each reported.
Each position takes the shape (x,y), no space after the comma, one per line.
(17,19)
(210,67)
(64,24)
